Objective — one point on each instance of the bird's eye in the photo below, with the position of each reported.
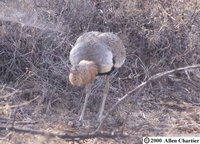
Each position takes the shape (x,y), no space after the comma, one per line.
(75,79)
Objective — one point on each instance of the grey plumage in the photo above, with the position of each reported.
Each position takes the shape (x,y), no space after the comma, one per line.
(95,53)
(100,48)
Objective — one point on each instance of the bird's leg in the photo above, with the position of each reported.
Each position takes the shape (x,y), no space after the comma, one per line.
(105,93)
(88,93)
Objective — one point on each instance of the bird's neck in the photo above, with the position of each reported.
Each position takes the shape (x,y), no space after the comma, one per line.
(89,72)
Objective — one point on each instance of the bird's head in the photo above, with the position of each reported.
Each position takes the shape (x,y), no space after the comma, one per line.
(83,73)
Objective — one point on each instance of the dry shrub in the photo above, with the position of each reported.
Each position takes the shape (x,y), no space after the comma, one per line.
(37,35)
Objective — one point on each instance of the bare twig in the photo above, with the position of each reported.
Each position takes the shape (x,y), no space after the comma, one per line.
(10,94)
(64,136)
(154,77)
(19,105)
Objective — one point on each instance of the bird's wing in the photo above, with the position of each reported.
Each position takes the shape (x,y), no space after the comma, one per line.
(116,46)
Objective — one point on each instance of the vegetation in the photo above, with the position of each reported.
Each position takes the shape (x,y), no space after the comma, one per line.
(37,102)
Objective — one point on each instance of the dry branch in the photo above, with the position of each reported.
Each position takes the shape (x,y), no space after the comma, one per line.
(19,105)
(65,136)
(128,94)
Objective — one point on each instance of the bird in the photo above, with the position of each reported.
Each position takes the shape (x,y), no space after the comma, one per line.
(95,54)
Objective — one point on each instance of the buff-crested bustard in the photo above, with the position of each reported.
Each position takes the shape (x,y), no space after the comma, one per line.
(94,54)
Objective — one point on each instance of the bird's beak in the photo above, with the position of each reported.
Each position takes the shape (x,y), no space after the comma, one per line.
(73,70)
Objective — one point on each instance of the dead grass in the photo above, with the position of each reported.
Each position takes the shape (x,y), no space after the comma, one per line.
(35,40)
